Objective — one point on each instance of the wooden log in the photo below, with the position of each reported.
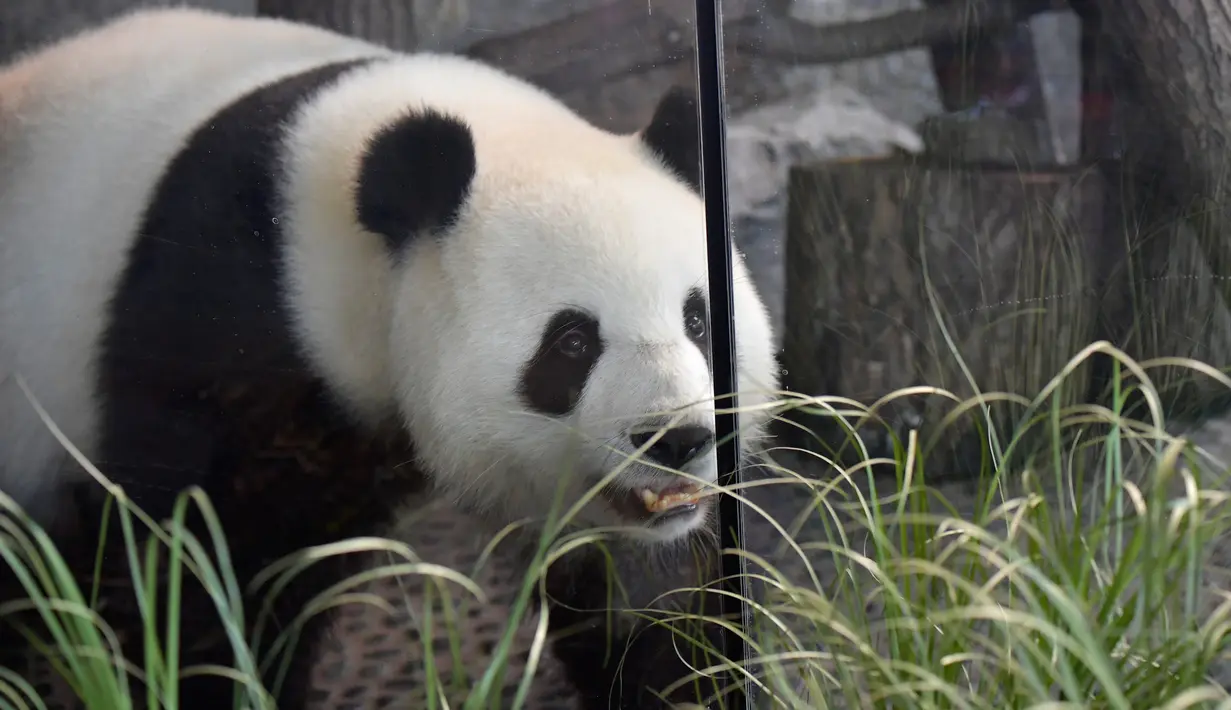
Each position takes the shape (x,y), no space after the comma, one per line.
(889,261)
(610,63)
(618,38)
(387,22)
(611,40)
(793,41)
(28,23)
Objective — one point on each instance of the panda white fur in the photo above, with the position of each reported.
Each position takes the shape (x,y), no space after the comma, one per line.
(200,214)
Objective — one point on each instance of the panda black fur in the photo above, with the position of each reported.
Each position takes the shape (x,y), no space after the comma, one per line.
(217,230)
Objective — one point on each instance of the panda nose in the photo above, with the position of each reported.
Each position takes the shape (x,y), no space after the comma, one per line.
(676,447)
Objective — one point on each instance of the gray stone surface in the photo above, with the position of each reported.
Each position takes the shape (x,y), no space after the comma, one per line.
(834,121)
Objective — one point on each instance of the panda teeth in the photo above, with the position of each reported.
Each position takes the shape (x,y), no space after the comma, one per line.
(656,503)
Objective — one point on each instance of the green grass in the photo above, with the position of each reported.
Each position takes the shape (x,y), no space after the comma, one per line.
(1056,585)
(1072,575)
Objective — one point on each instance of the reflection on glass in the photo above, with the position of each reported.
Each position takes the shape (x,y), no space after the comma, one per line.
(991,236)
(441,336)
(358,377)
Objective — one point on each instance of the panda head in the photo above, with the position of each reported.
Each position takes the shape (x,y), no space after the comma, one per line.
(547,309)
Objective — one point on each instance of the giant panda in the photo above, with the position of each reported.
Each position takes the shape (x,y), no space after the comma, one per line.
(221,233)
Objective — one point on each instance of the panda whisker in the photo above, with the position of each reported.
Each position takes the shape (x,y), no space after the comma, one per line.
(611,450)
(489,468)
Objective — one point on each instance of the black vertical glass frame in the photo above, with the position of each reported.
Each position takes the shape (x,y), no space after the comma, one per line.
(711,104)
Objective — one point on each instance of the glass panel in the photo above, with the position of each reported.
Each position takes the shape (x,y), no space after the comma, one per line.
(407,365)
(991,239)
(741,355)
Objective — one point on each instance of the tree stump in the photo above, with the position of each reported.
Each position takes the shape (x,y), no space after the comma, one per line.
(888,261)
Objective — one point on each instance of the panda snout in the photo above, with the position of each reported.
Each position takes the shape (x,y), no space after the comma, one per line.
(677,447)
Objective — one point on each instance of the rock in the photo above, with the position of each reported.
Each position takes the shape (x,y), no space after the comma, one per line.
(901,85)
(828,122)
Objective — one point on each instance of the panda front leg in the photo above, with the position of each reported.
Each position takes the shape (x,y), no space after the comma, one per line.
(204,639)
(630,670)
(155,452)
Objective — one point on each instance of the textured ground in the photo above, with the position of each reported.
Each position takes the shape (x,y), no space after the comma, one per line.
(376,660)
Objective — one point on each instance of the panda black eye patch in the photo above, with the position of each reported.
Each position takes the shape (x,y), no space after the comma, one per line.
(554,377)
(696,323)
(696,318)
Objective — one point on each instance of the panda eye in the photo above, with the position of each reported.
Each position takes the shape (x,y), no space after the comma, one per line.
(574,344)
(694,323)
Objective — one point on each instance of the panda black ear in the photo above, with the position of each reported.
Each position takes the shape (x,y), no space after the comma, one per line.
(674,135)
(414,176)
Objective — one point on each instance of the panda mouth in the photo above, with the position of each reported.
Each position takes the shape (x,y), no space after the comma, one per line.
(657,504)
(670,498)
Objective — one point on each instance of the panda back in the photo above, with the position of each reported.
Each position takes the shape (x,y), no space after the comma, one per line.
(89,128)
